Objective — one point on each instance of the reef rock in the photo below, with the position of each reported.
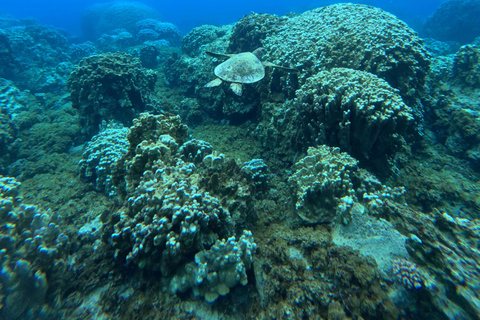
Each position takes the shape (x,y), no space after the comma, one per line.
(103,18)
(466,67)
(218,269)
(354,110)
(183,199)
(328,184)
(343,35)
(33,256)
(444,248)
(101,154)
(110,87)
(454,20)
(151,138)
(151,29)
(30,55)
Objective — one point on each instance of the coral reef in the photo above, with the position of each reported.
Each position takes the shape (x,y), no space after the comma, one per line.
(45,133)
(110,87)
(149,56)
(440,48)
(256,171)
(337,36)
(38,125)
(328,184)
(118,40)
(6,58)
(8,130)
(151,29)
(30,55)
(447,246)
(408,274)
(191,73)
(82,50)
(168,218)
(354,110)
(147,35)
(22,285)
(454,20)
(218,269)
(454,87)
(101,154)
(145,148)
(33,249)
(300,273)
(341,35)
(279,130)
(440,185)
(7,137)
(466,67)
(173,209)
(103,18)
(156,220)
(198,39)
(195,151)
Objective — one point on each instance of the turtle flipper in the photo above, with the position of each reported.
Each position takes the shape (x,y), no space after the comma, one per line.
(269,64)
(214,83)
(219,55)
(236,88)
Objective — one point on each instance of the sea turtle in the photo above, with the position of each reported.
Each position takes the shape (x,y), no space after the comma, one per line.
(244,67)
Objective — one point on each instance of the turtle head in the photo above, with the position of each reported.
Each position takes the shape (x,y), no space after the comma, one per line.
(259,52)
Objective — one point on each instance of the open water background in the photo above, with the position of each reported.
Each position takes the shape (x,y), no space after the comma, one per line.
(189,14)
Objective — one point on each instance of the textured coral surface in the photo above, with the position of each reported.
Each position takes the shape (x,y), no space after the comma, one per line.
(341,35)
(454,20)
(110,87)
(347,189)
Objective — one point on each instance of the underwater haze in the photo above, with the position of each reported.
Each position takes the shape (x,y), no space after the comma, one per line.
(189,14)
(240,160)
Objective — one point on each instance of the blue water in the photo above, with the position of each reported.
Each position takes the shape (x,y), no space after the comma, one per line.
(189,14)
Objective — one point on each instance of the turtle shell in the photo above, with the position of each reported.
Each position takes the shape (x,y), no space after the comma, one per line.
(241,68)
